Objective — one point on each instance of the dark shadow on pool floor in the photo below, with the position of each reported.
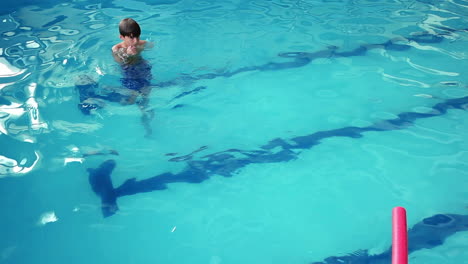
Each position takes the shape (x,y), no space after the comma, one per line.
(428,233)
(227,162)
(301,59)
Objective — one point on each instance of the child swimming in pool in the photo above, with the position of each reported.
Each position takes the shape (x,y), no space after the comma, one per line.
(136,80)
(136,71)
(129,50)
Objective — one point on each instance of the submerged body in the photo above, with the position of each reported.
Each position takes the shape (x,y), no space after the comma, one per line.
(136,77)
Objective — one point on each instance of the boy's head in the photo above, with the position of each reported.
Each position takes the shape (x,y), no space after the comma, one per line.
(129,28)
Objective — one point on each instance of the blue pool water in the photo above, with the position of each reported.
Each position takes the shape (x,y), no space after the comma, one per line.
(284,132)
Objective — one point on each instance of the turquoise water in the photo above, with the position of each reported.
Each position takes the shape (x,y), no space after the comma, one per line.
(304,122)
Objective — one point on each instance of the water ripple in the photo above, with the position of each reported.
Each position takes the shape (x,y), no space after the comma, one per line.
(429,70)
(403,81)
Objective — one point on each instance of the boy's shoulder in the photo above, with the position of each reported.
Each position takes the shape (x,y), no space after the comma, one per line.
(116,47)
(147,44)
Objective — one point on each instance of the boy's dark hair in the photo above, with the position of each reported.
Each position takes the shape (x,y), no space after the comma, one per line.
(129,27)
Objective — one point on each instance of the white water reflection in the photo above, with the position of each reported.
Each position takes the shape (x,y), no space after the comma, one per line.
(11,167)
(48,217)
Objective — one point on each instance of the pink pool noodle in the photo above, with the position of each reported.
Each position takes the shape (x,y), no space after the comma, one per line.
(400,236)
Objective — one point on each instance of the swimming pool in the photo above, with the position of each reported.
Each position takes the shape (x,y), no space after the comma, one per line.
(285,132)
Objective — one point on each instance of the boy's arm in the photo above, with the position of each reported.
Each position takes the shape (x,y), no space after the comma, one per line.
(115,50)
(148,44)
(144,45)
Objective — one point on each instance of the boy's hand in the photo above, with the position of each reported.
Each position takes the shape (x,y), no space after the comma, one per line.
(131,50)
